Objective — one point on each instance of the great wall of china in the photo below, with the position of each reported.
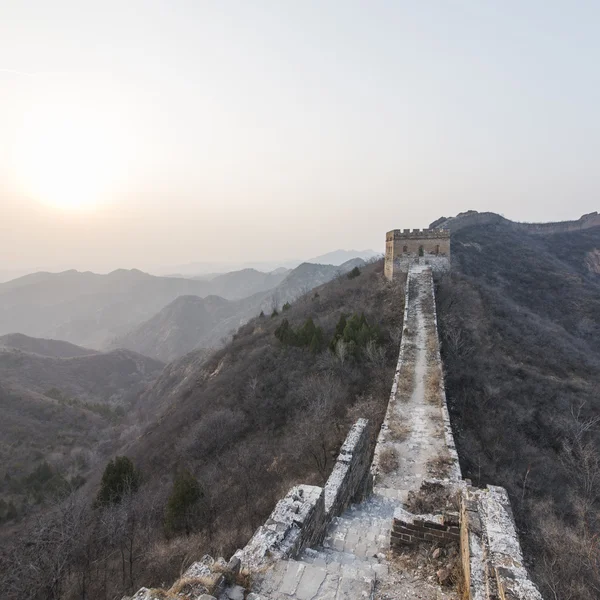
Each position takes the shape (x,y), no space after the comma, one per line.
(364,532)
(473,217)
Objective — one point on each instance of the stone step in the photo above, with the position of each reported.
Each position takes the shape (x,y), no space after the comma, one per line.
(298,580)
(328,556)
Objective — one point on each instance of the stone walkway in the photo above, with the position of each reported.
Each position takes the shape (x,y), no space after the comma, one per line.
(347,565)
(414,429)
(354,561)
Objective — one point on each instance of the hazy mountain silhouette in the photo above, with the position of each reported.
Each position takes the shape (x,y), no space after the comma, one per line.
(244,283)
(308,276)
(191,322)
(52,348)
(187,323)
(90,310)
(110,377)
(210,269)
(338,257)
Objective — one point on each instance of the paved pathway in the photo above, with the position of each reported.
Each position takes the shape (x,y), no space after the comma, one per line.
(417,430)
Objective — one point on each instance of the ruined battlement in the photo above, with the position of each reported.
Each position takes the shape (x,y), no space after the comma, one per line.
(406,247)
(300,519)
(411,234)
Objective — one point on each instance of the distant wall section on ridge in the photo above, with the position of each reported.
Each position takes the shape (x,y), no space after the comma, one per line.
(471,218)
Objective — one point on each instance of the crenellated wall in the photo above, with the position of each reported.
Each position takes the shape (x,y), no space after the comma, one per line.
(406,247)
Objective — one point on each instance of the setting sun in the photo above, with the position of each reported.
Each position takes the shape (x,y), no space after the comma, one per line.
(70,154)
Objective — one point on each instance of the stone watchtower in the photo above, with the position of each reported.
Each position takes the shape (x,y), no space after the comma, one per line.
(404,247)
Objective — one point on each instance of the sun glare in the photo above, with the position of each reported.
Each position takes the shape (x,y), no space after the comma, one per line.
(69,155)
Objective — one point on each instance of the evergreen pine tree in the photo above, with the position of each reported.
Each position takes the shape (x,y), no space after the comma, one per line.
(119,477)
(183,506)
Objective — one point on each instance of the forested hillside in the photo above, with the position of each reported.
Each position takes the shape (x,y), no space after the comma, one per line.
(237,430)
(60,416)
(520,325)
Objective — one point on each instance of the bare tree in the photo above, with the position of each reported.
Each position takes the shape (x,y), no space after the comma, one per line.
(341,351)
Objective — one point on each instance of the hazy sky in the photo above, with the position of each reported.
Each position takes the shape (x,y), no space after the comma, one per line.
(141,133)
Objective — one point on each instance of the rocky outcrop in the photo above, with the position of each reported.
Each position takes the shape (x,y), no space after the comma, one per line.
(592,261)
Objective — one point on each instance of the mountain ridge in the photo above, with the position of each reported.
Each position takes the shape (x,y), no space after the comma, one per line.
(190,323)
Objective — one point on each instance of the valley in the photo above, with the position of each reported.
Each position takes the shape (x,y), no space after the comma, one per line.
(251,396)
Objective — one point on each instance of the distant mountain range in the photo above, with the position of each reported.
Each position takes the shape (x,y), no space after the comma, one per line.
(190,322)
(161,317)
(90,310)
(203,269)
(244,283)
(51,348)
(88,377)
(339,257)
(187,323)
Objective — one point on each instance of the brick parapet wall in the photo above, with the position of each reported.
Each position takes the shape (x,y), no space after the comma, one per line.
(301,518)
(417,234)
(384,432)
(296,521)
(454,468)
(350,479)
(409,529)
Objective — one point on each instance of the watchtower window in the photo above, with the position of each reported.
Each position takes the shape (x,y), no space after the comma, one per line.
(405,249)
(421,252)
(437,249)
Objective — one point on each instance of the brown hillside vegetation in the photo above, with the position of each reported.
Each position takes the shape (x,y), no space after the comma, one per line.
(60,416)
(247,423)
(520,325)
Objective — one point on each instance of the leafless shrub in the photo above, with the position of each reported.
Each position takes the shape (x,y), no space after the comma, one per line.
(341,351)
(406,383)
(433,382)
(375,354)
(433,499)
(388,460)
(396,336)
(398,430)
(192,585)
(439,466)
